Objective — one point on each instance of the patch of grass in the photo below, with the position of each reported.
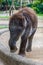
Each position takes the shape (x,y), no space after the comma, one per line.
(2,27)
(40,14)
(4,17)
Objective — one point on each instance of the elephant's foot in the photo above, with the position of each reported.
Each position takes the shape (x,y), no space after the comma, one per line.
(13,49)
(28,49)
(22,54)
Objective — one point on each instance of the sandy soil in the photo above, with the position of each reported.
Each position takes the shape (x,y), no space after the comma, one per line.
(37,47)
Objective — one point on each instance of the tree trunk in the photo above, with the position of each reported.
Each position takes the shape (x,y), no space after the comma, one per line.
(11,8)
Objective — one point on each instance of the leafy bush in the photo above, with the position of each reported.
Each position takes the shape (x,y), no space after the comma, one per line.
(29,5)
(37,7)
(36,2)
(40,7)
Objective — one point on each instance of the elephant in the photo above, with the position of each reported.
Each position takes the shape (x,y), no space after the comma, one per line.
(23,23)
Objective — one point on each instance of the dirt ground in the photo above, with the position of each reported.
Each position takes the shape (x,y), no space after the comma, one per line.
(36,54)
(37,47)
(37,44)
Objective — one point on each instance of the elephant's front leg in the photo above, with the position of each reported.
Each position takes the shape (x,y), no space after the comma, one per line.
(24,41)
(23,45)
(12,42)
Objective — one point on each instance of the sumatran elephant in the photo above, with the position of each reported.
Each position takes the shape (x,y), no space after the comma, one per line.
(23,23)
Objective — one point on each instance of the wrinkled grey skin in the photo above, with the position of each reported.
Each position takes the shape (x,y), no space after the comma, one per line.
(22,28)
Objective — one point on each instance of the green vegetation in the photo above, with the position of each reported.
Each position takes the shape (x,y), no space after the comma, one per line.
(37,5)
(4,26)
(6,17)
(40,15)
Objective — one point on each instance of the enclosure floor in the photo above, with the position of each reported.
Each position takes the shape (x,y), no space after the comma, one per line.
(37,45)
(36,54)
